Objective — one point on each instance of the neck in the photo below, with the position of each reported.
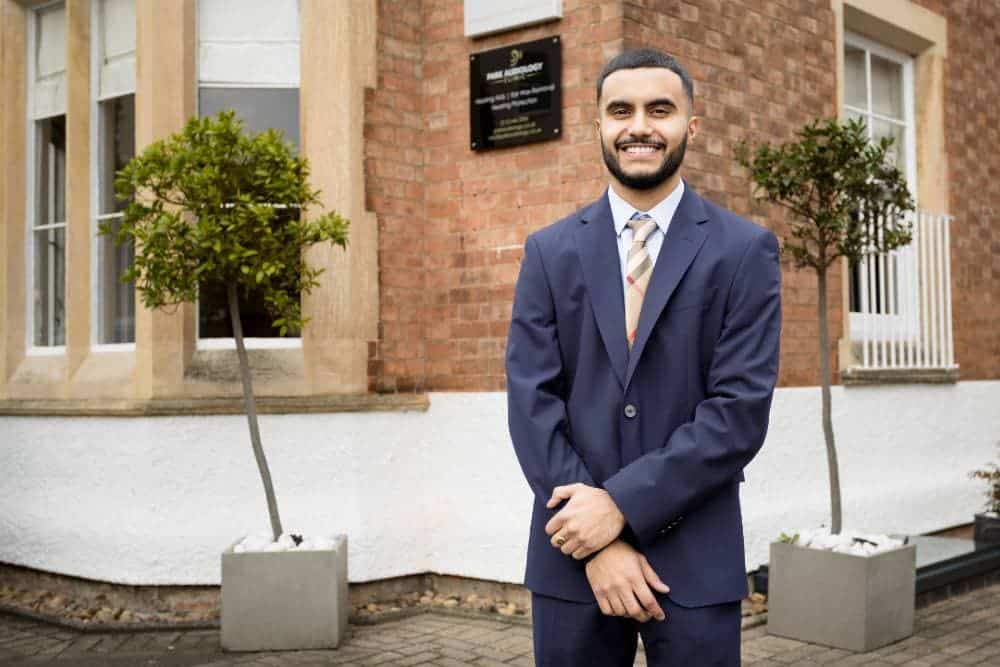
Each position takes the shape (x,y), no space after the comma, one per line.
(643,200)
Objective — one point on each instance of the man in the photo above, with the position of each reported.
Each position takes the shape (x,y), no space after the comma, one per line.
(641,361)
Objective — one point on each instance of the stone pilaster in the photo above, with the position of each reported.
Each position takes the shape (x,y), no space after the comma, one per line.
(13,126)
(165,98)
(338,63)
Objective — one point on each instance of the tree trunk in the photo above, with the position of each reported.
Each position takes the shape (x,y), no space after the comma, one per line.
(831,449)
(251,410)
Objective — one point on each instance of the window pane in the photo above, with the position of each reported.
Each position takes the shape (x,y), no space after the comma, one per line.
(897,152)
(115,301)
(887,87)
(115,35)
(213,312)
(248,42)
(50,286)
(49,245)
(213,315)
(50,172)
(260,108)
(51,41)
(874,286)
(254,21)
(117,27)
(57,152)
(852,115)
(855,89)
(117,143)
(877,272)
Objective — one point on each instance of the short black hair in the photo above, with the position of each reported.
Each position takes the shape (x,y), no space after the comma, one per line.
(636,58)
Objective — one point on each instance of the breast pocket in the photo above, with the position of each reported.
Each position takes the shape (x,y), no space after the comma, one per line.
(703,300)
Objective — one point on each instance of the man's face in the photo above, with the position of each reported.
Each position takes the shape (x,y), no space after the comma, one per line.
(644,125)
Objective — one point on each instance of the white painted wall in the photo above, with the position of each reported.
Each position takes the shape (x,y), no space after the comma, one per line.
(155,500)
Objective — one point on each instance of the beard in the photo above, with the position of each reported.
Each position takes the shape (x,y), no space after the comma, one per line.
(671,164)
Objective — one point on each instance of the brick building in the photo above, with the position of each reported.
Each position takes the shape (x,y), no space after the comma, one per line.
(396,386)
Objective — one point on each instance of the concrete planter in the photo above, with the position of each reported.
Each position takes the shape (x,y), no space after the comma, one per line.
(850,602)
(284,600)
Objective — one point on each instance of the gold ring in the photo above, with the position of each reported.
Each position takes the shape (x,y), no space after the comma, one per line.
(560,541)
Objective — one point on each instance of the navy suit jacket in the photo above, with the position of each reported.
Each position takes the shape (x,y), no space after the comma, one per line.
(665,428)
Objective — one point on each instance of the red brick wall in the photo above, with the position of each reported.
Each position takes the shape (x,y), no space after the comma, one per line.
(972,94)
(447,275)
(761,70)
(481,206)
(452,222)
(396,191)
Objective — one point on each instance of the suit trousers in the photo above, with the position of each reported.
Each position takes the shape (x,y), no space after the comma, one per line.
(575,634)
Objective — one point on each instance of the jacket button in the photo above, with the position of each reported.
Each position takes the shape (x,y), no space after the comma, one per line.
(630,411)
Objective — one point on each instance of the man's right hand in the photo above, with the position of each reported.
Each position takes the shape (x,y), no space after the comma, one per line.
(621,578)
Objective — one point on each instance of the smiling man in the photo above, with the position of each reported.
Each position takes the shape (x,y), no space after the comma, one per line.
(641,361)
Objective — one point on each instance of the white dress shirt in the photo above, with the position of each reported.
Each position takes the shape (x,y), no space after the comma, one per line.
(662,214)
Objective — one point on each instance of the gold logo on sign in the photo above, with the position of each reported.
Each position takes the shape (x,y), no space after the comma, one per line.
(515,57)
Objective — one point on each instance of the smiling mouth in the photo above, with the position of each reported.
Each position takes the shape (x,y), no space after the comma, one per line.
(639,148)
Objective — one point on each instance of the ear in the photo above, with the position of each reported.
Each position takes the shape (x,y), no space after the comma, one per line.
(694,126)
(597,129)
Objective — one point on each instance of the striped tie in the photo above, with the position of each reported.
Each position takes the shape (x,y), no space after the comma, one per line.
(639,269)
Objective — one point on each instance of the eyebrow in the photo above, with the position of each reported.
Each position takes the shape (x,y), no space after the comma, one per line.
(652,103)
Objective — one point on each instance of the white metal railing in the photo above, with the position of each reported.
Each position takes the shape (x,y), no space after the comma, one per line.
(903,319)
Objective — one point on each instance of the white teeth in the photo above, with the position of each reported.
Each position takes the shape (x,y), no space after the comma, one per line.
(639,149)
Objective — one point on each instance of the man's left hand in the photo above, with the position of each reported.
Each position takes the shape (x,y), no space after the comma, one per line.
(588,522)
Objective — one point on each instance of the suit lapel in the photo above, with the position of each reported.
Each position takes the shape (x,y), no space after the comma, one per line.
(598,248)
(684,239)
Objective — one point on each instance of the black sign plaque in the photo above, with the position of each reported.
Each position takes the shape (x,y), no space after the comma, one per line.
(515,94)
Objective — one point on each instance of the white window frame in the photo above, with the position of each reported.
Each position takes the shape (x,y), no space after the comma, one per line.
(277,342)
(95,185)
(888,325)
(31,141)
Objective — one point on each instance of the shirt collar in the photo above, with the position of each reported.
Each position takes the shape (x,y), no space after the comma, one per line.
(662,213)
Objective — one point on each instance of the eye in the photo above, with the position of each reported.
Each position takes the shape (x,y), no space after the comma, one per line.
(661,110)
(620,112)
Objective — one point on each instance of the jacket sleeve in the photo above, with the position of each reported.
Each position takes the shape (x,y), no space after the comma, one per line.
(729,425)
(536,410)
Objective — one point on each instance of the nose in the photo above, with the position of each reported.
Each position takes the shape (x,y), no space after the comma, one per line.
(639,124)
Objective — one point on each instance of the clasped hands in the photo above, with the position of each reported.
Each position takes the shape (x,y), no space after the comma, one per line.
(619,575)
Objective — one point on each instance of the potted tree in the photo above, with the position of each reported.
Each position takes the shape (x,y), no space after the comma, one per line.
(213,204)
(986,529)
(846,200)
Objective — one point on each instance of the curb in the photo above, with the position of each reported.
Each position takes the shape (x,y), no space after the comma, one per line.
(80,626)
(748,622)
(387,616)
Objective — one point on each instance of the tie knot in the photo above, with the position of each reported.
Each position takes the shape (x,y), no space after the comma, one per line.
(642,226)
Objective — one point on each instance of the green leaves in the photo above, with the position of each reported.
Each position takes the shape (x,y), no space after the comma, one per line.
(213,203)
(837,184)
(991,475)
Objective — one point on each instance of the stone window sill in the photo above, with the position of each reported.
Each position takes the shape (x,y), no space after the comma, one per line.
(105,384)
(867,377)
(229,405)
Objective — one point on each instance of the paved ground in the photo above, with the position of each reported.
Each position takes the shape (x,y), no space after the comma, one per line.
(959,631)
